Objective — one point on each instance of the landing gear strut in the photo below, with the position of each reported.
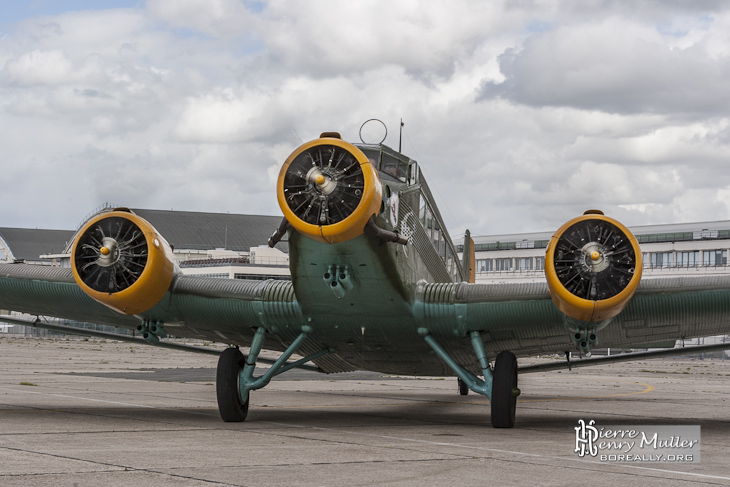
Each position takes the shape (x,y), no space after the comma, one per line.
(235,379)
(230,406)
(499,385)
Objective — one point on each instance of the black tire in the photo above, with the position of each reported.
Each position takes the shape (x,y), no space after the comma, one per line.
(504,402)
(463,388)
(230,406)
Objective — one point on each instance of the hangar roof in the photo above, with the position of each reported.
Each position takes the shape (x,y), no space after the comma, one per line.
(209,231)
(182,229)
(29,243)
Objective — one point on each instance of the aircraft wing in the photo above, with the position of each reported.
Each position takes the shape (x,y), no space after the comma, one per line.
(219,310)
(524,319)
(517,317)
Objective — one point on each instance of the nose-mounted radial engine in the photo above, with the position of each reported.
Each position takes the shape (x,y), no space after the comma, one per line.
(593,266)
(121,261)
(328,190)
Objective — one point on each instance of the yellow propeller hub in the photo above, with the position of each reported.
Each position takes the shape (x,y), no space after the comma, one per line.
(320,179)
(595,255)
(104,250)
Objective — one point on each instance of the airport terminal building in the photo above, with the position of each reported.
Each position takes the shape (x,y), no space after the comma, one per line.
(205,244)
(235,246)
(667,250)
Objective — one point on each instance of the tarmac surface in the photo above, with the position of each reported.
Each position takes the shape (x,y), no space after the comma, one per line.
(102,413)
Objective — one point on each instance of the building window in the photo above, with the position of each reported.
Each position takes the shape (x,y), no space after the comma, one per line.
(688,259)
(714,257)
(664,237)
(662,259)
(503,264)
(540,263)
(485,265)
(524,264)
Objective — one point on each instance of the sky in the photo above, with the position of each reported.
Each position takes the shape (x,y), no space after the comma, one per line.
(521,114)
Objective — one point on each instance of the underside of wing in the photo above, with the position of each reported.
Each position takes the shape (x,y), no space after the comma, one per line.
(522,317)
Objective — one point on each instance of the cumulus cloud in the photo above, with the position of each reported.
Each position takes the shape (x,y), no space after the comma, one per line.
(39,68)
(521,114)
(588,66)
(217,18)
(325,38)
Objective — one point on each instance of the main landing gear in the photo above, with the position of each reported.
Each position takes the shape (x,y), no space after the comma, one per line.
(463,388)
(504,390)
(230,405)
(500,385)
(235,379)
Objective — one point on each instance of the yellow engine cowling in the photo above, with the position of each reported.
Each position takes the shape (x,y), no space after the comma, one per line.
(121,261)
(328,189)
(593,266)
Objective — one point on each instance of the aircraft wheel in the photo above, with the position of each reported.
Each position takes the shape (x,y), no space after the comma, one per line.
(463,388)
(230,406)
(504,396)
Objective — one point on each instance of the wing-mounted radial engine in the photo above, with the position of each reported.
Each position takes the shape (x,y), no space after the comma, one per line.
(121,261)
(593,266)
(328,190)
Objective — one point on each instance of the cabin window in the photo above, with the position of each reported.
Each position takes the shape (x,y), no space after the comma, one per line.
(429,223)
(413,173)
(436,235)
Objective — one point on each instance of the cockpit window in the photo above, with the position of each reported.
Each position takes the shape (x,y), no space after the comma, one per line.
(372,155)
(391,163)
(394,167)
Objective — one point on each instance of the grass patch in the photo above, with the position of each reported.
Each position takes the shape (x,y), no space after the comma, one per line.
(26,383)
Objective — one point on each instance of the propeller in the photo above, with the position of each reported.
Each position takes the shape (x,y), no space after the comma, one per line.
(111,255)
(594,259)
(324,184)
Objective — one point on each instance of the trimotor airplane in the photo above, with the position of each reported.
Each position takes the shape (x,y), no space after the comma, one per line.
(375,285)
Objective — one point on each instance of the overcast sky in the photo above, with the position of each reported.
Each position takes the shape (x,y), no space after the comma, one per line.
(521,114)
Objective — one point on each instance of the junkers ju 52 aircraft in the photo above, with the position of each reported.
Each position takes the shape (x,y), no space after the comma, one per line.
(376,285)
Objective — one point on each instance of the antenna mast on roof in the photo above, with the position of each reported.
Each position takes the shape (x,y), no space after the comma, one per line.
(400,136)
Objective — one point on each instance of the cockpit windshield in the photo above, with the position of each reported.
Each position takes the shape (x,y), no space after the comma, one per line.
(391,163)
